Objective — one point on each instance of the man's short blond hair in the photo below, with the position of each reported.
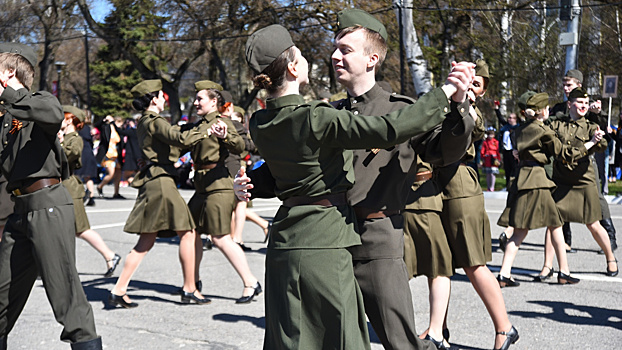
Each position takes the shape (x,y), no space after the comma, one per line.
(24,71)
(375,42)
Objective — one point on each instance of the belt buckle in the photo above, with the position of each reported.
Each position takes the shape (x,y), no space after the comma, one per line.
(17,192)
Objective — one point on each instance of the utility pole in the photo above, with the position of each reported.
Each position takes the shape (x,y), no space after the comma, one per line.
(571,12)
(88,68)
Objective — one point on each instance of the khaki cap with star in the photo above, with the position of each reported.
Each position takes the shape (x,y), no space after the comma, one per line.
(145,87)
(75,111)
(207,84)
(265,45)
(353,17)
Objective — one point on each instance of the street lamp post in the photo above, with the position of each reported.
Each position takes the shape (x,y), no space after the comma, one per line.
(59,69)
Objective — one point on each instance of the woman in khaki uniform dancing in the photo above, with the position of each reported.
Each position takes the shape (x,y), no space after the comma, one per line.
(159,209)
(72,145)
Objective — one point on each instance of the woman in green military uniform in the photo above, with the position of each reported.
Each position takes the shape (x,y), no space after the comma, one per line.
(467,226)
(72,145)
(533,206)
(313,299)
(576,194)
(159,209)
(213,201)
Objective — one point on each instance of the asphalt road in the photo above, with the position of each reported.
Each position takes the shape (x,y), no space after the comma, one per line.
(547,315)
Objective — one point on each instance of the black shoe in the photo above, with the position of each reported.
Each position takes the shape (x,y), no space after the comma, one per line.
(118,196)
(244,247)
(189,298)
(93,344)
(507,282)
(503,241)
(511,338)
(87,196)
(611,273)
(446,334)
(114,300)
(437,344)
(542,278)
(207,244)
(571,250)
(562,278)
(249,298)
(115,262)
(198,285)
(100,192)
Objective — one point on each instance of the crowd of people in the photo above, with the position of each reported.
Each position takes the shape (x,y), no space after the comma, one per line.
(376,190)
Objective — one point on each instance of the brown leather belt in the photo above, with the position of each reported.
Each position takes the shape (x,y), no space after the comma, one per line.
(208,166)
(423,176)
(366,213)
(36,186)
(328,200)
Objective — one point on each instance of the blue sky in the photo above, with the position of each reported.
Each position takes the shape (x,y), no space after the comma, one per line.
(100,8)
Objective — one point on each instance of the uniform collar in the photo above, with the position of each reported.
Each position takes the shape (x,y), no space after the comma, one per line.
(284,101)
(211,116)
(373,93)
(151,114)
(581,121)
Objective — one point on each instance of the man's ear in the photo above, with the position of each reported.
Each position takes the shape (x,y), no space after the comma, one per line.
(374,58)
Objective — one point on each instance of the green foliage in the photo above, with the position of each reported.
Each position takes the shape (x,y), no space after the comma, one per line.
(115,74)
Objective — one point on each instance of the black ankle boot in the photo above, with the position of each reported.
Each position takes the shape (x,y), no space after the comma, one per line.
(3,345)
(95,344)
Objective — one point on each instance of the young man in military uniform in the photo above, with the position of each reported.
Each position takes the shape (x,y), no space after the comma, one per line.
(39,236)
(383,179)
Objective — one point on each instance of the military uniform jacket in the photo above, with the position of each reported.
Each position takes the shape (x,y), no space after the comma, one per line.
(233,160)
(72,145)
(425,195)
(306,145)
(30,147)
(383,176)
(161,146)
(579,172)
(461,181)
(214,150)
(536,142)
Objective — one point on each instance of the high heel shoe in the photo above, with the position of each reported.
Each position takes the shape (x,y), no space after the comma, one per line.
(437,344)
(446,334)
(503,241)
(563,278)
(114,300)
(247,299)
(266,231)
(506,281)
(542,278)
(511,338)
(115,262)
(188,298)
(611,273)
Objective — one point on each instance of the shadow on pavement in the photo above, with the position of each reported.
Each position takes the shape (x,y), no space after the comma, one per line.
(562,312)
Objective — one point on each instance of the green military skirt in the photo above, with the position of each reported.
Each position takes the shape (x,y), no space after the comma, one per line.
(75,187)
(426,250)
(467,229)
(313,301)
(159,208)
(533,209)
(213,202)
(578,204)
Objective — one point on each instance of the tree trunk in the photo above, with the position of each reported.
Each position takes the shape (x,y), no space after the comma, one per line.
(414,55)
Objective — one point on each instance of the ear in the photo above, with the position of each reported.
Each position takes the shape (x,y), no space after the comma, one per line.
(291,69)
(374,58)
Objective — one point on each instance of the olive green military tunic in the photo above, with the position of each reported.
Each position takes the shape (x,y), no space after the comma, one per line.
(383,177)
(576,194)
(464,216)
(309,160)
(159,207)
(72,145)
(213,201)
(426,250)
(533,206)
(39,238)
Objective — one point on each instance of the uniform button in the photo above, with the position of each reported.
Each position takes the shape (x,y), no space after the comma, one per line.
(568,142)
(462,110)
(355,101)
(445,109)
(356,112)
(6,125)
